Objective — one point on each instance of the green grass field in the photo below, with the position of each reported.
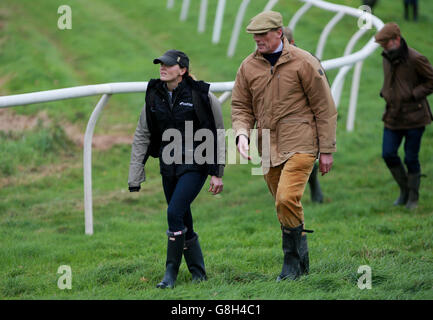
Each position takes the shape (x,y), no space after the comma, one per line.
(41,173)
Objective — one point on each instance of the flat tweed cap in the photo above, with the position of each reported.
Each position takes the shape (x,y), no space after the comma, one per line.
(265,21)
(389,31)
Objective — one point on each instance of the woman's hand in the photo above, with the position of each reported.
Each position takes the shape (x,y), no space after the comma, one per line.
(216,185)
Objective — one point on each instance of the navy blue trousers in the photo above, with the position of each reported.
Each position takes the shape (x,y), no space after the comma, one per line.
(180,192)
(412,144)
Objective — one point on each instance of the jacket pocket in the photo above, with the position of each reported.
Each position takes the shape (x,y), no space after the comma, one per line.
(415,113)
(294,135)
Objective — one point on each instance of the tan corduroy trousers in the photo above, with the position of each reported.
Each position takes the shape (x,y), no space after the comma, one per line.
(287,184)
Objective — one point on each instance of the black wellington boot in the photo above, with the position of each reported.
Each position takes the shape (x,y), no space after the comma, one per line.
(413,183)
(406,11)
(194,259)
(313,182)
(291,248)
(415,12)
(303,252)
(400,176)
(175,244)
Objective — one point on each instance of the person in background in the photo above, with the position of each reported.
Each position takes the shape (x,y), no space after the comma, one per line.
(370,3)
(283,89)
(173,101)
(313,181)
(408,80)
(414,5)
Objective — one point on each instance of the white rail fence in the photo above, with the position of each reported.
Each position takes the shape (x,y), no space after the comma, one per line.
(345,63)
(108,89)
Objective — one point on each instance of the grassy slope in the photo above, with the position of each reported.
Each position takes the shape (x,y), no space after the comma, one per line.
(41,209)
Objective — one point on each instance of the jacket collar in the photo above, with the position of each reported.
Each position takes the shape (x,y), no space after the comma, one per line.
(285,55)
(397,56)
(187,81)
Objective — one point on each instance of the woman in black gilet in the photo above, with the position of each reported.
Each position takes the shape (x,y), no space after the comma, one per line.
(179,125)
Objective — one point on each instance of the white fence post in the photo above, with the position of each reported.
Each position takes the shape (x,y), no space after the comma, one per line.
(218,21)
(237,27)
(202,17)
(87,164)
(270,5)
(170,4)
(224,97)
(354,96)
(338,83)
(185,9)
(325,33)
(297,16)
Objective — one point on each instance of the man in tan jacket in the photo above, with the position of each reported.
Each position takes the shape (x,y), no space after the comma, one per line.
(283,89)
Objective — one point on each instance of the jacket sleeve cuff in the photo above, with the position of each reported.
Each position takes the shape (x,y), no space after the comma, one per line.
(328,150)
(244,132)
(137,174)
(216,170)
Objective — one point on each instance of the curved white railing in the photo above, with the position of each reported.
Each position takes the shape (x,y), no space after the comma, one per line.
(108,89)
(345,62)
(325,33)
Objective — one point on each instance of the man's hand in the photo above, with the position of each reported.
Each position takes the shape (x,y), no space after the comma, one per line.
(216,185)
(325,162)
(243,146)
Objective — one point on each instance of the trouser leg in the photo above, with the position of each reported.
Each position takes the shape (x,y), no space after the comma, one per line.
(291,186)
(287,184)
(390,145)
(180,192)
(412,146)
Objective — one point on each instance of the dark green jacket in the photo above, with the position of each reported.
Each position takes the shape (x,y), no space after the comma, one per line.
(408,80)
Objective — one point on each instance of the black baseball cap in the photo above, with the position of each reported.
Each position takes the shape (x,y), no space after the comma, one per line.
(172,57)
